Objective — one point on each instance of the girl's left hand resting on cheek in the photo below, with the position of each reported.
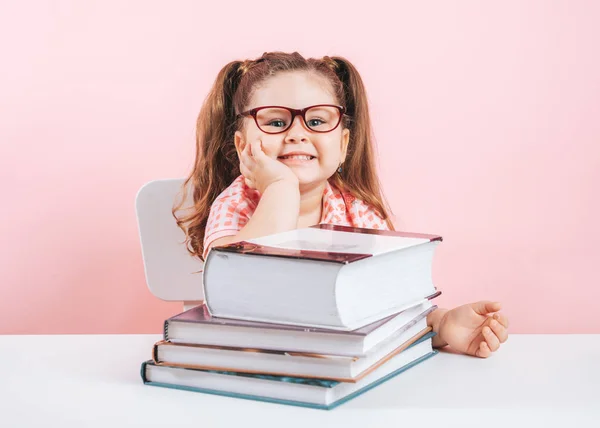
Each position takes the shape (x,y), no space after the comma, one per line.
(475,329)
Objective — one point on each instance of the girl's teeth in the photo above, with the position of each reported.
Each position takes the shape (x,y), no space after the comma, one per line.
(297,157)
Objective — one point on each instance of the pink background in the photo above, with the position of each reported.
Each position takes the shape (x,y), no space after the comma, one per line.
(486,117)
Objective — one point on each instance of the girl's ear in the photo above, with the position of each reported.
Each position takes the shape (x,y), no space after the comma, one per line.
(344,144)
(239,142)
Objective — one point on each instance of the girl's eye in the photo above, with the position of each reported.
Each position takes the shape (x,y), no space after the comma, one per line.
(277,123)
(315,122)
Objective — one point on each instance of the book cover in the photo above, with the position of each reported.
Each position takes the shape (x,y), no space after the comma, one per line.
(307,381)
(327,243)
(201,315)
(415,339)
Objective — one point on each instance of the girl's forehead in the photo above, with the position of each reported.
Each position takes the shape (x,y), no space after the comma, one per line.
(295,89)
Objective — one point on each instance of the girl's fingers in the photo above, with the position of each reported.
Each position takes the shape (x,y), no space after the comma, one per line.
(245,159)
(245,171)
(249,183)
(499,330)
(501,318)
(256,151)
(484,307)
(484,350)
(492,340)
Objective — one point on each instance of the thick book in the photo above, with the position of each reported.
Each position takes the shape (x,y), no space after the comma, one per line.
(305,392)
(197,326)
(281,363)
(325,276)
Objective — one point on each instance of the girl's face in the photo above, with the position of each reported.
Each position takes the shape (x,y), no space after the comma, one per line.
(297,89)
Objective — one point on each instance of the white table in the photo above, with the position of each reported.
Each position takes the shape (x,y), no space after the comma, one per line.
(94,380)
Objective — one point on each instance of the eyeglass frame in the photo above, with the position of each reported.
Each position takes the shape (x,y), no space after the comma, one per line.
(294,112)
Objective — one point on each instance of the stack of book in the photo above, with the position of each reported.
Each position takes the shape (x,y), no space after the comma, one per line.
(311,317)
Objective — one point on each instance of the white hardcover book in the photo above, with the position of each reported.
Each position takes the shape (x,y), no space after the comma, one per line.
(326,276)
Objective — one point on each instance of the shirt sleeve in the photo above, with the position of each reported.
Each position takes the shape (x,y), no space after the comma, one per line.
(229,213)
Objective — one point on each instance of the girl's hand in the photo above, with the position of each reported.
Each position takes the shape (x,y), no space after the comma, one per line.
(476,329)
(260,170)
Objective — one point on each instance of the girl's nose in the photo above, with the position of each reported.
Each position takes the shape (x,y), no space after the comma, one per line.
(297,133)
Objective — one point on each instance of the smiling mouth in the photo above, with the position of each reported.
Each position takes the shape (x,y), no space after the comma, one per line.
(298,157)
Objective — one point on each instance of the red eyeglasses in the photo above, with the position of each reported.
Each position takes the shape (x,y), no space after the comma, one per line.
(277,119)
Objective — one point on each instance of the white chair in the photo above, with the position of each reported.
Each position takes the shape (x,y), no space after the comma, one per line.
(172,274)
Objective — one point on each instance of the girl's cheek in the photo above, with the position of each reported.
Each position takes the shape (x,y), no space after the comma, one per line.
(268,146)
(272,154)
(271,148)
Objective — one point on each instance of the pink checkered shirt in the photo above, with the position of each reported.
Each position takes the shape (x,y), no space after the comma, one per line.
(235,205)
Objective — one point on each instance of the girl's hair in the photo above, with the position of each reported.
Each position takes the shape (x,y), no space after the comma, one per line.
(217,164)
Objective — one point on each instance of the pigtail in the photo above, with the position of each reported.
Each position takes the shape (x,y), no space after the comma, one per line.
(216,164)
(359,172)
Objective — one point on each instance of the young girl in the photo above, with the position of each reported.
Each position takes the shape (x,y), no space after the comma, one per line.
(284,142)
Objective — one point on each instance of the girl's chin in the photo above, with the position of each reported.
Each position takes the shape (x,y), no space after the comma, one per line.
(307,180)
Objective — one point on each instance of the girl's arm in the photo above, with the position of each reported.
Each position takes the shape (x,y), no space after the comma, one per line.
(279,205)
(277,211)
(434,320)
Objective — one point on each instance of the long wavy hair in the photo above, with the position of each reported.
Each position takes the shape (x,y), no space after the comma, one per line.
(217,164)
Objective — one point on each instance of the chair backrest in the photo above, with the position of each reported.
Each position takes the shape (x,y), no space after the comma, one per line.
(171,272)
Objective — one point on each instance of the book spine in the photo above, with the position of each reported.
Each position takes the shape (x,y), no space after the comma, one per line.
(434,295)
(155,353)
(166,330)
(143,372)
